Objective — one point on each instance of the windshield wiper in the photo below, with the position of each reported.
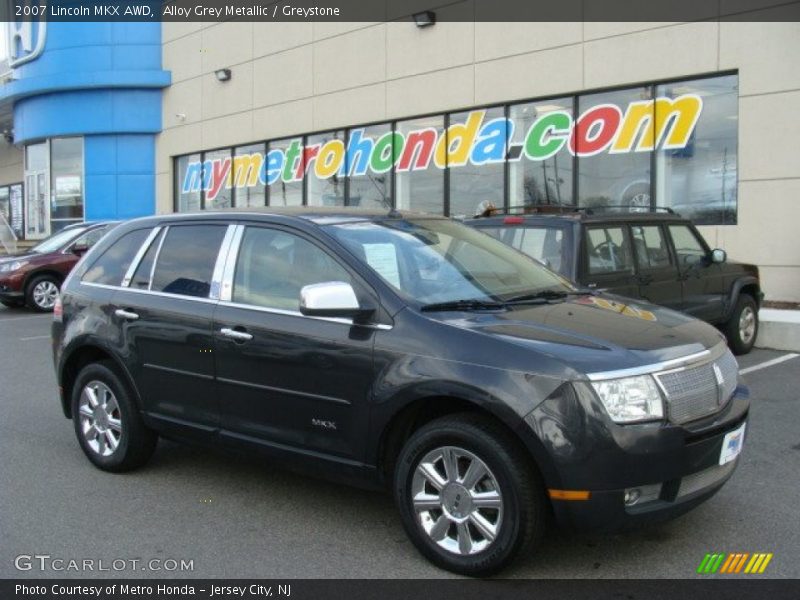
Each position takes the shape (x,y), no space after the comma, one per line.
(466,304)
(544,296)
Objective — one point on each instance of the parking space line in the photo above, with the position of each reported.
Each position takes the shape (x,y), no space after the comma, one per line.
(11,319)
(769,363)
(35,337)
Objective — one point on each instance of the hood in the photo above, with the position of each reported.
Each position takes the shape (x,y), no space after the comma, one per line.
(594,333)
(20,256)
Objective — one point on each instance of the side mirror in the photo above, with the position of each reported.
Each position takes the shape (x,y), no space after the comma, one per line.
(331,299)
(718,256)
(80,249)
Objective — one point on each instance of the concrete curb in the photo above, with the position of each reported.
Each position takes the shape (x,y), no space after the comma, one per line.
(779,329)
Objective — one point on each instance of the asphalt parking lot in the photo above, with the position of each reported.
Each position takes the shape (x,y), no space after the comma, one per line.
(245,519)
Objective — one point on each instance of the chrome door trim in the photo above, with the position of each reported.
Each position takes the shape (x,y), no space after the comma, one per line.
(295,313)
(155,258)
(137,258)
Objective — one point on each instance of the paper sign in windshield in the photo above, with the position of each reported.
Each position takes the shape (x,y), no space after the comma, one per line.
(383,258)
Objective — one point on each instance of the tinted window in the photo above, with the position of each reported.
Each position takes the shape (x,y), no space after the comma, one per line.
(90,238)
(110,268)
(651,247)
(187,259)
(608,250)
(273,266)
(141,278)
(687,247)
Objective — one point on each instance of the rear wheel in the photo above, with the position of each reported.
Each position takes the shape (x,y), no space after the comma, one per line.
(742,328)
(107,422)
(467,496)
(42,293)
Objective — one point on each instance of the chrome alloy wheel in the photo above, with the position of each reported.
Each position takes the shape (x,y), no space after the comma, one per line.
(45,294)
(747,325)
(100,418)
(457,500)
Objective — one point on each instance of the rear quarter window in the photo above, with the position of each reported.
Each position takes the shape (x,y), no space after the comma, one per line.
(186,262)
(111,265)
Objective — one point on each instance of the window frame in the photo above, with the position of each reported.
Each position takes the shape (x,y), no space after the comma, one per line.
(627,235)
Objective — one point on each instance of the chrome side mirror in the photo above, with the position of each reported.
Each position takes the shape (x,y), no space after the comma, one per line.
(330,299)
(718,256)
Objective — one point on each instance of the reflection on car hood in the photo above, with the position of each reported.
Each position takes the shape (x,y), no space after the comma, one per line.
(594,333)
(13,257)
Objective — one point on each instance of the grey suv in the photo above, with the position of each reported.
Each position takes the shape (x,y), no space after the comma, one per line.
(401,351)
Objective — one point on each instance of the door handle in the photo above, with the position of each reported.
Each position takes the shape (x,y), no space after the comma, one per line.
(239,336)
(126,314)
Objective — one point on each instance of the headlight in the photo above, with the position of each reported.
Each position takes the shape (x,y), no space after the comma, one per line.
(631,399)
(12,266)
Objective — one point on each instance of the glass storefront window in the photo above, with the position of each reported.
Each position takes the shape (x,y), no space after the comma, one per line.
(218,164)
(66,181)
(476,179)
(189,182)
(419,182)
(536,175)
(246,171)
(284,173)
(607,177)
(699,181)
(324,169)
(367,187)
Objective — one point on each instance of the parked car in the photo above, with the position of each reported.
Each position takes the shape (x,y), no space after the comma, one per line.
(33,277)
(656,256)
(398,350)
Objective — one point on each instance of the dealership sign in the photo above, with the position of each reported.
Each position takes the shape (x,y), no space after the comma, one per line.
(25,41)
(645,125)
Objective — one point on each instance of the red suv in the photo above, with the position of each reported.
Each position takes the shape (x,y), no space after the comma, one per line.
(34,277)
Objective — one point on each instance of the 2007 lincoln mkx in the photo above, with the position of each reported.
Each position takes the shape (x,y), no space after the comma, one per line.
(402,350)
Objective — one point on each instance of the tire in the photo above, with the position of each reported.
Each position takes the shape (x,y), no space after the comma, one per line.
(41,293)
(115,438)
(517,520)
(11,303)
(742,328)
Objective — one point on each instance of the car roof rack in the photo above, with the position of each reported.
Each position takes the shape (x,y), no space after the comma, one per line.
(534,209)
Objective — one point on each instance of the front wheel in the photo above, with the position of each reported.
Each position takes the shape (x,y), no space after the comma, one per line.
(468,498)
(107,422)
(742,328)
(42,293)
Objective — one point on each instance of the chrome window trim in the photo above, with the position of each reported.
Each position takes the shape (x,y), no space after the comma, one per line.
(155,258)
(137,258)
(295,313)
(228,271)
(219,265)
(667,366)
(150,292)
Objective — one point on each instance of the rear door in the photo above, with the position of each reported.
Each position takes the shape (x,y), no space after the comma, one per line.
(283,378)
(702,282)
(608,261)
(657,273)
(165,311)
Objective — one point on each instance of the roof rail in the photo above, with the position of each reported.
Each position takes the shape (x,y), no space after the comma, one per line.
(568,208)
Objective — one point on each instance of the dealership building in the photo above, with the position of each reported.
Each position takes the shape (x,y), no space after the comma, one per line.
(114,121)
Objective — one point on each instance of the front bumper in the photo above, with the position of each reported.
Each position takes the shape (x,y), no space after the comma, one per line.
(11,287)
(591,453)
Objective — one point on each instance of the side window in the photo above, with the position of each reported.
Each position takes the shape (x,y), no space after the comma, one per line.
(608,250)
(651,247)
(186,261)
(274,265)
(111,266)
(141,278)
(91,238)
(688,248)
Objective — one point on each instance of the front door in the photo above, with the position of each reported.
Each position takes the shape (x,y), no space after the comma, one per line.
(608,261)
(37,206)
(656,270)
(702,281)
(283,378)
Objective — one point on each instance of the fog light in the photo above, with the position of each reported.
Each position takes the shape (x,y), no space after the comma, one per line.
(642,494)
(632,496)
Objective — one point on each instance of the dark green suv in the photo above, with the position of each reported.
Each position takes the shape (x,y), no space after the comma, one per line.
(657,256)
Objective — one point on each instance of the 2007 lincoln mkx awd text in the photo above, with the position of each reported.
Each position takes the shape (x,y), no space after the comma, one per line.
(402,350)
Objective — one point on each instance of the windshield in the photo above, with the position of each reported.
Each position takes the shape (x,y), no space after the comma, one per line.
(55,241)
(436,260)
